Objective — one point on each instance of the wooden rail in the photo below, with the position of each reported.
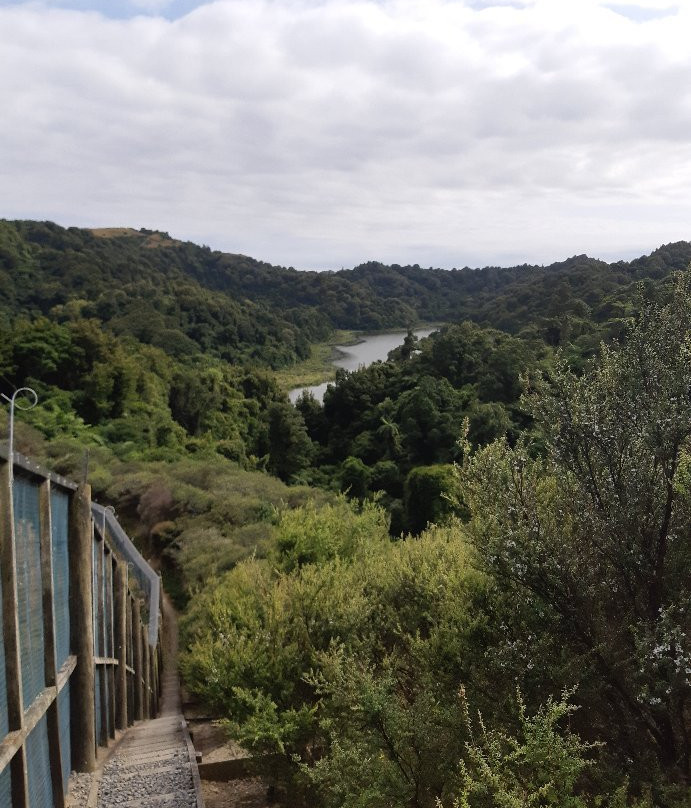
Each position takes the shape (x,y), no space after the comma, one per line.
(76,661)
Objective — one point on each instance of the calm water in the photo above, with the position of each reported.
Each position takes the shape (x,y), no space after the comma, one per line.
(372,349)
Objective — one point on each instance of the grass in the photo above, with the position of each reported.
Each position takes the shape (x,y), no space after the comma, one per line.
(318,368)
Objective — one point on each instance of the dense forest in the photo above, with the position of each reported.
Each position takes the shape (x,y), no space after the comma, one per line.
(462,579)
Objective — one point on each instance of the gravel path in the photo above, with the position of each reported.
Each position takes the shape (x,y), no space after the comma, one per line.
(150,768)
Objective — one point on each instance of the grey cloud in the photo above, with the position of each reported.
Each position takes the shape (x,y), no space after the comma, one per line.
(322,134)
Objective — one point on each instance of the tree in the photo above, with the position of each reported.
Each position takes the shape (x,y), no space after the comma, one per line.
(355,477)
(429,418)
(430,495)
(597,532)
(312,413)
(290,449)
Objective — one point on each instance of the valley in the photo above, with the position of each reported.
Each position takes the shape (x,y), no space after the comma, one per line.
(458,577)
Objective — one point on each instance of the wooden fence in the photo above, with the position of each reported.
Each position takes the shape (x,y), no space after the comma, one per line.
(79,650)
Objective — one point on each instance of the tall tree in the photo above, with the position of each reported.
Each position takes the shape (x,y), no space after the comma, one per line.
(598,532)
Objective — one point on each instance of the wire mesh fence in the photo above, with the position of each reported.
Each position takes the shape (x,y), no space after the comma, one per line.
(75,663)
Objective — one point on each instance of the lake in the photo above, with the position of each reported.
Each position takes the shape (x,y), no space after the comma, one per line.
(372,348)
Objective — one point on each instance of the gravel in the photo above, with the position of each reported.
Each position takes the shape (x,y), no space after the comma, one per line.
(169,782)
(79,787)
(150,768)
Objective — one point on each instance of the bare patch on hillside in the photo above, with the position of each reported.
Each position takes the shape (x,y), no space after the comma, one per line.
(150,240)
(160,240)
(114,232)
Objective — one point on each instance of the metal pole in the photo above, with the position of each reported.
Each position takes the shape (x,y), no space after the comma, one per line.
(14,404)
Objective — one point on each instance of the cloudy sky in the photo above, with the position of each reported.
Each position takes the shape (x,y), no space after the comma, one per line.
(324,133)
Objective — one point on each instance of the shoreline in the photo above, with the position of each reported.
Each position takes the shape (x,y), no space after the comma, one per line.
(326,372)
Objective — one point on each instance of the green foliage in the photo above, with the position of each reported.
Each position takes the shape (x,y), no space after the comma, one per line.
(154,289)
(311,535)
(382,422)
(158,343)
(355,477)
(351,658)
(264,727)
(289,447)
(312,632)
(540,766)
(370,645)
(146,404)
(431,495)
(596,533)
(199,515)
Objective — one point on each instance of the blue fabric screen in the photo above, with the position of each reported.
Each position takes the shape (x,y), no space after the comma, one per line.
(38,767)
(29,588)
(64,720)
(5,777)
(60,505)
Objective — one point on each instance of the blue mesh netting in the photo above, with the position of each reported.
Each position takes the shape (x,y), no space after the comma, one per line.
(64,721)
(29,588)
(6,786)
(60,503)
(38,767)
(97,700)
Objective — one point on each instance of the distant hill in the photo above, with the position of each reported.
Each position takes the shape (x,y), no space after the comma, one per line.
(186,298)
(159,348)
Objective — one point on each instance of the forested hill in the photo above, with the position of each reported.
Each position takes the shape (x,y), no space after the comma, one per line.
(512,298)
(186,298)
(539,502)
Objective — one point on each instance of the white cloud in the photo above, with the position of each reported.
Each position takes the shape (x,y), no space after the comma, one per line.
(326,133)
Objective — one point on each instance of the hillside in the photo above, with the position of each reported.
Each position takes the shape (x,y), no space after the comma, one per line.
(158,348)
(184,298)
(496,518)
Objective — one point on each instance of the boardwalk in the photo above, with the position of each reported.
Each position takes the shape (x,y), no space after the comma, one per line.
(153,765)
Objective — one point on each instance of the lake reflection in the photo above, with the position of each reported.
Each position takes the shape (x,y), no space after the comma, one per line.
(373,348)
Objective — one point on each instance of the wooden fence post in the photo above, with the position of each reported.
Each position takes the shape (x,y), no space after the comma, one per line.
(110,643)
(138,662)
(51,673)
(120,642)
(130,660)
(158,677)
(10,628)
(82,630)
(154,683)
(146,668)
(100,641)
